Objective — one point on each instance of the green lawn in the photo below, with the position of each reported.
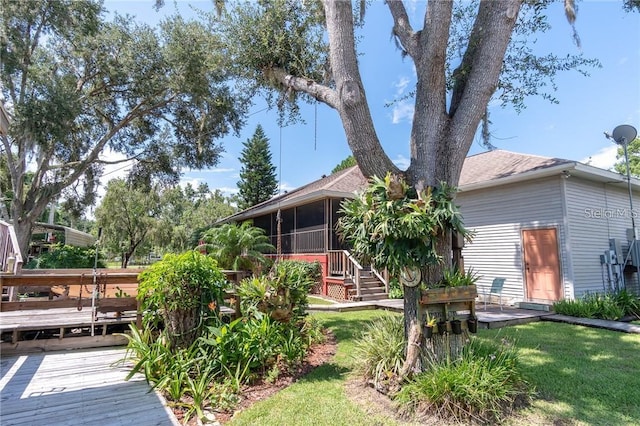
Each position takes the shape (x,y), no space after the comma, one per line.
(583,376)
(318,301)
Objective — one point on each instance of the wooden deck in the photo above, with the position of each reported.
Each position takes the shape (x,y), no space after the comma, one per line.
(62,328)
(76,388)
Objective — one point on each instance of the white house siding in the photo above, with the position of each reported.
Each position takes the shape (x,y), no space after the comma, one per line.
(596,212)
(497,216)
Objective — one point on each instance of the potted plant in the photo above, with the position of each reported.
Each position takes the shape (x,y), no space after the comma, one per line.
(455,286)
(442,327)
(472,324)
(429,325)
(456,326)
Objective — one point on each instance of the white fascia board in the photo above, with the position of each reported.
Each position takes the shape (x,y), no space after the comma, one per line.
(520,177)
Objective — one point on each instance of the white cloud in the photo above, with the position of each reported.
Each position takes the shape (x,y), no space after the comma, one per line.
(604,158)
(285,186)
(402,111)
(401,85)
(195,182)
(112,171)
(228,190)
(402,162)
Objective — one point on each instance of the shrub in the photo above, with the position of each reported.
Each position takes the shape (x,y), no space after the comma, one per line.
(380,352)
(182,288)
(602,306)
(483,385)
(283,293)
(61,256)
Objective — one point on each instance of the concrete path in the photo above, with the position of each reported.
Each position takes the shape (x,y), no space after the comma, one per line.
(624,327)
(492,317)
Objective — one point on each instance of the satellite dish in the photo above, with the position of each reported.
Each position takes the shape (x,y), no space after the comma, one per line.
(624,134)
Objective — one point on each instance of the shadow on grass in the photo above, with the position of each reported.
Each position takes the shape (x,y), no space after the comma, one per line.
(580,373)
(347,327)
(325,372)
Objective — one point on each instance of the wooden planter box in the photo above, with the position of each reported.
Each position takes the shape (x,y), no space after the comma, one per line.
(449,295)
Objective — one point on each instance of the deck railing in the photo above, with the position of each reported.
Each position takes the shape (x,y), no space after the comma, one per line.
(10,255)
(302,241)
(342,263)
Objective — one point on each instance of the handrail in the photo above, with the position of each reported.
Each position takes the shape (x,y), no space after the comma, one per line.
(383,276)
(10,255)
(353,269)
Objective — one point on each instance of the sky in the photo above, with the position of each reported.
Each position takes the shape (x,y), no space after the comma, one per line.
(573,129)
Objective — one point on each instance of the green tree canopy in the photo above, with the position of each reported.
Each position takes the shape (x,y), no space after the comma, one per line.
(77,87)
(127,216)
(350,161)
(258,175)
(633,151)
(184,214)
(465,54)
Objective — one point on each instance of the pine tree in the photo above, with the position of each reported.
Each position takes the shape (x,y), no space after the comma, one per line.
(257,176)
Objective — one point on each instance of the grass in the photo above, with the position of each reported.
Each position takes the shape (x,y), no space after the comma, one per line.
(318,301)
(583,376)
(319,398)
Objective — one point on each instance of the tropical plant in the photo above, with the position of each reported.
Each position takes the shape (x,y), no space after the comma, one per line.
(237,247)
(483,385)
(396,227)
(453,277)
(61,256)
(596,305)
(282,294)
(380,351)
(182,288)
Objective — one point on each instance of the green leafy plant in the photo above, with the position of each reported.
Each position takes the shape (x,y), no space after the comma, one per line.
(182,287)
(379,353)
(602,306)
(483,385)
(283,293)
(394,227)
(238,247)
(453,277)
(61,256)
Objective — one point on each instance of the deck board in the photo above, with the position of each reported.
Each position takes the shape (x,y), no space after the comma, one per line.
(76,388)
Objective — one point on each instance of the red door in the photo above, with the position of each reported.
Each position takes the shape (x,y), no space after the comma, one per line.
(542,264)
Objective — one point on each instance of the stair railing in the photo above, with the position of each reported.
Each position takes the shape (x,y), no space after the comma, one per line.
(353,270)
(383,276)
(10,255)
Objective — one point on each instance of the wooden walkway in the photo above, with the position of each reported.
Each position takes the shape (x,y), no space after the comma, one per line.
(76,388)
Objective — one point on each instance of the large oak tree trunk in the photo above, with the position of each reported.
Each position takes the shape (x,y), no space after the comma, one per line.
(443,130)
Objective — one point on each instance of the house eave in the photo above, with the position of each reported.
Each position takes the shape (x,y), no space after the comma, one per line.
(293,202)
(568,169)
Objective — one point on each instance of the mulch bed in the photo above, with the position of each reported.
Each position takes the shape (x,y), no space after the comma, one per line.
(318,354)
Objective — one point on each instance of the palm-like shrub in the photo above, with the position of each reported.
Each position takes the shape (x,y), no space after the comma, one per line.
(379,353)
(482,386)
(240,248)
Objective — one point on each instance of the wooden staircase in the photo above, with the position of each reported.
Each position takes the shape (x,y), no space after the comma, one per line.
(371,288)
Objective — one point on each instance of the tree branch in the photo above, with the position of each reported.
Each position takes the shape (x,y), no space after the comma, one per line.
(478,75)
(402,28)
(352,100)
(300,84)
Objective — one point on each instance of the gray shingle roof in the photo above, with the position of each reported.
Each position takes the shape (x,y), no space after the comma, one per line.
(483,167)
